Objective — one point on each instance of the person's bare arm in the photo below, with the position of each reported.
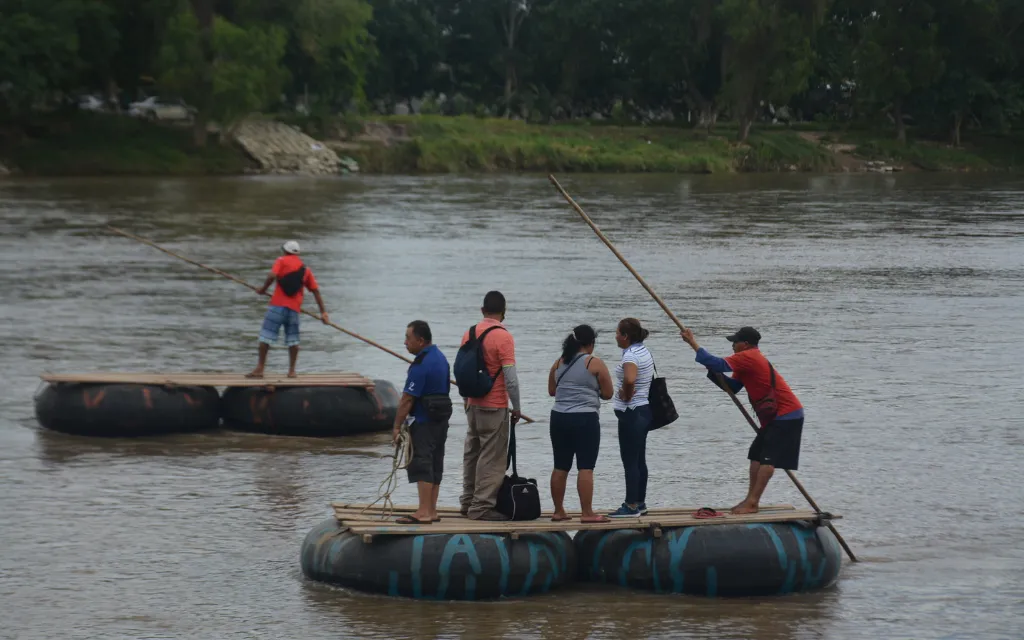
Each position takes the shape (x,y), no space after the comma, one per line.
(320,303)
(551,378)
(266,284)
(404,409)
(629,373)
(604,378)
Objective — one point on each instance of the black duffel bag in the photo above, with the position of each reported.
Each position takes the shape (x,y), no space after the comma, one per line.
(518,497)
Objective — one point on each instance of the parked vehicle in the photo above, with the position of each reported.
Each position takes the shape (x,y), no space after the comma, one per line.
(91,103)
(153,108)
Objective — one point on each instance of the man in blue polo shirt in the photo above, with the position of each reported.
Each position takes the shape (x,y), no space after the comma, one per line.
(426,398)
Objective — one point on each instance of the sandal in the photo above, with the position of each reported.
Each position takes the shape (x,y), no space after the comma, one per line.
(707,512)
(596,519)
(566,518)
(412,520)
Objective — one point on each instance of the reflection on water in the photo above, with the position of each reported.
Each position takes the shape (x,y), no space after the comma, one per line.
(890,302)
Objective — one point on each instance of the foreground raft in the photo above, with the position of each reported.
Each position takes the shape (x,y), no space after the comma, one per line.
(134,404)
(461,566)
(779,550)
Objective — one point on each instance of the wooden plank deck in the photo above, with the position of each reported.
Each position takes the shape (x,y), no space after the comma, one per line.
(370,522)
(328,379)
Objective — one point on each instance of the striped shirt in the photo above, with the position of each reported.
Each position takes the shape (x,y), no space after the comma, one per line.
(641,357)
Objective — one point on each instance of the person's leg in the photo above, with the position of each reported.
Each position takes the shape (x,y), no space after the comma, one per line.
(643,421)
(424,491)
(588,441)
(269,331)
(754,455)
(560,433)
(628,452)
(440,433)
(419,469)
(291,338)
(470,457)
(751,504)
(493,429)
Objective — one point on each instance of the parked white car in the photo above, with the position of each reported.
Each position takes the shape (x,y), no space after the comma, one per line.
(91,103)
(153,108)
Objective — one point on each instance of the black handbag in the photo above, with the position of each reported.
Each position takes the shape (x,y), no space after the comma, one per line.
(518,497)
(663,410)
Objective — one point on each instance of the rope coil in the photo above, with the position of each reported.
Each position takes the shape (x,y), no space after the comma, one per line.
(400,460)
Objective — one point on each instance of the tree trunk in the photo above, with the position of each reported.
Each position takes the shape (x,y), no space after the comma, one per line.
(901,128)
(954,133)
(746,119)
(203,10)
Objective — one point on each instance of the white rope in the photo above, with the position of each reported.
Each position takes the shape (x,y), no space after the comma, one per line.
(400,460)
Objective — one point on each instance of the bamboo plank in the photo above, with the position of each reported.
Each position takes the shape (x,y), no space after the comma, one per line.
(362,512)
(340,379)
(536,526)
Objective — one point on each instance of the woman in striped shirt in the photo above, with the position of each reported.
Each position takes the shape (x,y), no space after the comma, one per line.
(633,376)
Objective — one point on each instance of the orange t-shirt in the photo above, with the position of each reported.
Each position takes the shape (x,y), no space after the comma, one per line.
(751,368)
(282,267)
(499,351)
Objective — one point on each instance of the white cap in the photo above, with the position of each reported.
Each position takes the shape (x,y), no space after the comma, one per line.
(291,247)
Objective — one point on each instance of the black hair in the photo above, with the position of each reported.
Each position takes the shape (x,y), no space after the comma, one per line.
(421,330)
(582,336)
(630,327)
(494,302)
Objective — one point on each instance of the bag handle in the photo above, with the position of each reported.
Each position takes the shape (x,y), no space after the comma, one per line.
(567,368)
(511,459)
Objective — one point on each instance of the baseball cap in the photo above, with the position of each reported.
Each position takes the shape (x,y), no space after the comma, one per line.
(745,334)
(291,247)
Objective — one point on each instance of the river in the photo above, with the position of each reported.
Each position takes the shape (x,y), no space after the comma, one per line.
(892,304)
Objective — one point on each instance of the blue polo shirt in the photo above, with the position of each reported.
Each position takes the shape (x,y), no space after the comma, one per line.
(428,375)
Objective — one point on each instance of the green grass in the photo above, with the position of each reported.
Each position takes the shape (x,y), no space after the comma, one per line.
(85,144)
(467,144)
(978,152)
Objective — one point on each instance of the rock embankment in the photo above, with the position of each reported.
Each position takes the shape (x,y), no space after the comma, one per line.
(282,148)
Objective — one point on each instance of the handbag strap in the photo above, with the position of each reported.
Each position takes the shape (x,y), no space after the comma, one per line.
(575,360)
(511,458)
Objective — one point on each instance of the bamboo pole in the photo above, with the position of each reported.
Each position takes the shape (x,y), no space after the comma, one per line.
(679,323)
(227,275)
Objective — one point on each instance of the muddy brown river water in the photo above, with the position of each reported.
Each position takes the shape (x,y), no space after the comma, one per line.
(892,304)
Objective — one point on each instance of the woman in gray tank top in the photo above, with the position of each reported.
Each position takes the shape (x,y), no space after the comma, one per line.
(578,381)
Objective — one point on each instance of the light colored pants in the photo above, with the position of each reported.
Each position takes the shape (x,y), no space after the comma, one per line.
(485,459)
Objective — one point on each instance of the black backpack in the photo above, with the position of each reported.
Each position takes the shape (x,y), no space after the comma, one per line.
(291,283)
(470,371)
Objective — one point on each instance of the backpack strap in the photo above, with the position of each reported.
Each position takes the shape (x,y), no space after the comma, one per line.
(472,334)
(772,370)
(567,369)
(511,458)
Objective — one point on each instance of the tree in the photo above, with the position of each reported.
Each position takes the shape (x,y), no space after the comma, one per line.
(768,52)
(408,39)
(898,55)
(244,74)
(42,51)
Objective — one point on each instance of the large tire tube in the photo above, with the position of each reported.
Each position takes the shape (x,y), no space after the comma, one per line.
(127,410)
(459,566)
(715,560)
(311,411)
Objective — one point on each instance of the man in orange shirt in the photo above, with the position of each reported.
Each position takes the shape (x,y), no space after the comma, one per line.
(292,278)
(781,415)
(485,457)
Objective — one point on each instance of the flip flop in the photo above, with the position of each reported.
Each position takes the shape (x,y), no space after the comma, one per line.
(412,520)
(595,519)
(707,512)
(436,520)
(553,519)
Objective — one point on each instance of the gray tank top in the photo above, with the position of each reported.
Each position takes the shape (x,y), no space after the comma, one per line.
(578,391)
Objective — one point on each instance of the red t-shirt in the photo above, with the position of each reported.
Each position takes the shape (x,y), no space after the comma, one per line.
(751,368)
(282,267)
(499,351)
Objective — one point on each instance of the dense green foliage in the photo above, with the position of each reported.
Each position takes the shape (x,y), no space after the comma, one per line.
(940,65)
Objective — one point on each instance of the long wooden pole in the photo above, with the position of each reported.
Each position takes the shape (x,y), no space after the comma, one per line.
(227,275)
(679,323)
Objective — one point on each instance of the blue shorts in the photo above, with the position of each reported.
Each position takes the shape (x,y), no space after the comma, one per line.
(277,316)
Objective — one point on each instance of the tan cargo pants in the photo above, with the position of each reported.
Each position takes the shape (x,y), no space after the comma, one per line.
(484,458)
